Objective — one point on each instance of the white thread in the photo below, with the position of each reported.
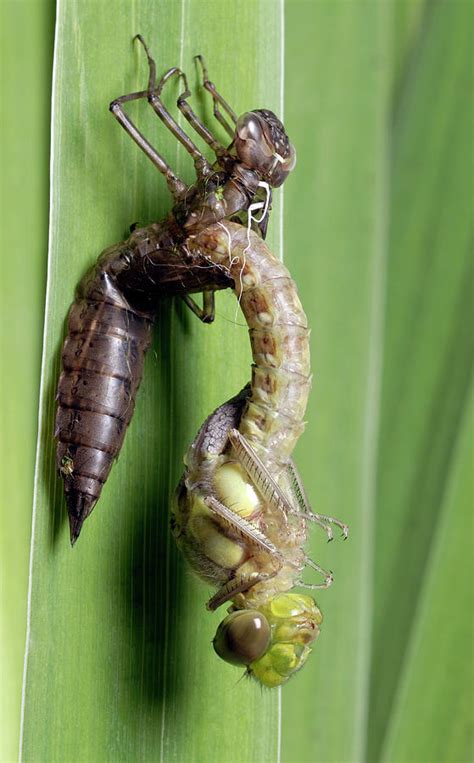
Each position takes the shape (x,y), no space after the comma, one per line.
(232,260)
(264,206)
(258,205)
(250,218)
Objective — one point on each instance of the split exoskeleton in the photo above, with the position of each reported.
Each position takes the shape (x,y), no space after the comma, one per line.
(241,515)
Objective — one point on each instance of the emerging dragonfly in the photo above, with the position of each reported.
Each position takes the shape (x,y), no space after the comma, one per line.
(242,515)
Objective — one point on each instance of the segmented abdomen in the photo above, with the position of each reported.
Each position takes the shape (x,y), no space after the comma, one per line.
(102,358)
(109,332)
(273,417)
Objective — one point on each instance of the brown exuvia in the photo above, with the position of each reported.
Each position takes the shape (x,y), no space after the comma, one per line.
(110,322)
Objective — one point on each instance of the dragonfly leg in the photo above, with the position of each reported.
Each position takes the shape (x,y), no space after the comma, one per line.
(220,151)
(218,100)
(176,186)
(327,575)
(325,521)
(322,520)
(259,475)
(207,312)
(314,586)
(235,585)
(153,93)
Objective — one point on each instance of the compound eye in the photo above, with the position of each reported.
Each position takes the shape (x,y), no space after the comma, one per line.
(242,637)
(248,127)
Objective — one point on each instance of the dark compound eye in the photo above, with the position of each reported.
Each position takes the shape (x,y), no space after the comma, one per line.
(242,637)
(252,141)
(249,127)
(262,144)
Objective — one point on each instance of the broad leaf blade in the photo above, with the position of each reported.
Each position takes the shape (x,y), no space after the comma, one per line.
(118,629)
(383,598)
(337,102)
(26,93)
(435,688)
(428,341)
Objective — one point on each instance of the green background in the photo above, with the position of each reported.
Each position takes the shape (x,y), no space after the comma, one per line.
(377,232)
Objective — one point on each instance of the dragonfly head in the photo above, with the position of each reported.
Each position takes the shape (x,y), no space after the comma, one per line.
(262,144)
(273,641)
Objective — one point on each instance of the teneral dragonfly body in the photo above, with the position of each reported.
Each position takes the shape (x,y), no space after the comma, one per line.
(241,516)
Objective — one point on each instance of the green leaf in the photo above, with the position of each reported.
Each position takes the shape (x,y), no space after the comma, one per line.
(379,243)
(26,44)
(428,339)
(335,245)
(120,662)
(434,690)
(378,231)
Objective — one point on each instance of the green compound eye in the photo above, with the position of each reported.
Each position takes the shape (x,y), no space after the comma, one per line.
(242,637)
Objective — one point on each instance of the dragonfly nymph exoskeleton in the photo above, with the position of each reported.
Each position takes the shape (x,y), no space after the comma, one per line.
(241,515)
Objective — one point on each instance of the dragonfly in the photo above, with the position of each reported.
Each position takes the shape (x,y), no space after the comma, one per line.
(241,514)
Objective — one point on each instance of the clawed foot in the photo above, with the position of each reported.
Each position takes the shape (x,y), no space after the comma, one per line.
(326,523)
